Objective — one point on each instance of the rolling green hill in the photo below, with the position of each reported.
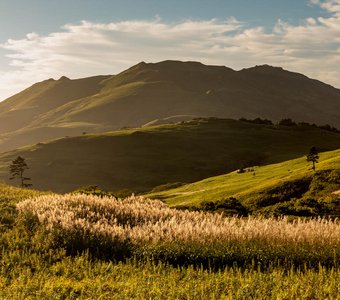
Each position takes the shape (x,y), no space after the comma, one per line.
(273,188)
(162,91)
(141,159)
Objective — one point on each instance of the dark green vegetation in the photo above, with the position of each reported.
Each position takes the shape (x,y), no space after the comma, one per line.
(141,159)
(31,269)
(287,188)
(9,196)
(162,92)
(81,278)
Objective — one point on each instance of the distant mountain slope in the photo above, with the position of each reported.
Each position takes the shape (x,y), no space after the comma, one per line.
(155,91)
(140,159)
(275,188)
(24,108)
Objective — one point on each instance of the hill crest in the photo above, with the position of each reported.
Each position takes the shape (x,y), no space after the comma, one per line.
(139,159)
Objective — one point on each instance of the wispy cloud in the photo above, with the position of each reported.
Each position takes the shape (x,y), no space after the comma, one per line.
(88,48)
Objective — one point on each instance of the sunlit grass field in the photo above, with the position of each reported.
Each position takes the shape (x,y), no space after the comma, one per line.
(85,247)
(148,229)
(82,278)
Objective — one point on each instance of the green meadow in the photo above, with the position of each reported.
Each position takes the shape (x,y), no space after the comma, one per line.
(259,187)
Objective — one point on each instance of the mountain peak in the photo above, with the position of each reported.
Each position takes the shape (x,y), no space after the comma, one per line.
(179,62)
(264,68)
(64,78)
(274,71)
(167,64)
(178,66)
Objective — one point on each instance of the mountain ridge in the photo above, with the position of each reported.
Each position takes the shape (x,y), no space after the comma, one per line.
(153,91)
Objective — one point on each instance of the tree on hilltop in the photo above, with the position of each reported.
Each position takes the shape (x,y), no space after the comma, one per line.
(17,169)
(287,122)
(313,156)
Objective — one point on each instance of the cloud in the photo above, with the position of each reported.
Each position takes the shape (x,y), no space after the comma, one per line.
(329,5)
(89,48)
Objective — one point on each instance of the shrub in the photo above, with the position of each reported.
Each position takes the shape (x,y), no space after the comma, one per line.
(94,190)
(282,193)
(230,206)
(241,170)
(166,186)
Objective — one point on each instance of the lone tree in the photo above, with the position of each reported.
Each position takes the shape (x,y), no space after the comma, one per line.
(17,169)
(313,156)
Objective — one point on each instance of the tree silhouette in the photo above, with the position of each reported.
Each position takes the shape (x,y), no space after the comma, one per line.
(313,156)
(17,169)
(287,122)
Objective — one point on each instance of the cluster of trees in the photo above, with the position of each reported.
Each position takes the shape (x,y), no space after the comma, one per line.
(257,121)
(288,122)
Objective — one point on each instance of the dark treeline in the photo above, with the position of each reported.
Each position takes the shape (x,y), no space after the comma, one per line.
(289,122)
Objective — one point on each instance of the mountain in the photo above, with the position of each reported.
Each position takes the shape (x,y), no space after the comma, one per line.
(290,188)
(24,118)
(141,159)
(149,92)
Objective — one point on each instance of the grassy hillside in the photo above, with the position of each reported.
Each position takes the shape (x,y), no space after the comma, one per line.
(276,188)
(148,92)
(9,197)
(23,109)
(140,159)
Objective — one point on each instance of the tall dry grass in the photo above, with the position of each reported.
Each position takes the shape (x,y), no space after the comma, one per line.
(148,228)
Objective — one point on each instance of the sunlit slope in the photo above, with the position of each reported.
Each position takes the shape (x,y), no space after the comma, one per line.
(161,91)
(140,159)
(24,118)
(24,108)
(254,187)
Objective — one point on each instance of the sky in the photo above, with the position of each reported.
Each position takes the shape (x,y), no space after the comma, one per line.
(41,39)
